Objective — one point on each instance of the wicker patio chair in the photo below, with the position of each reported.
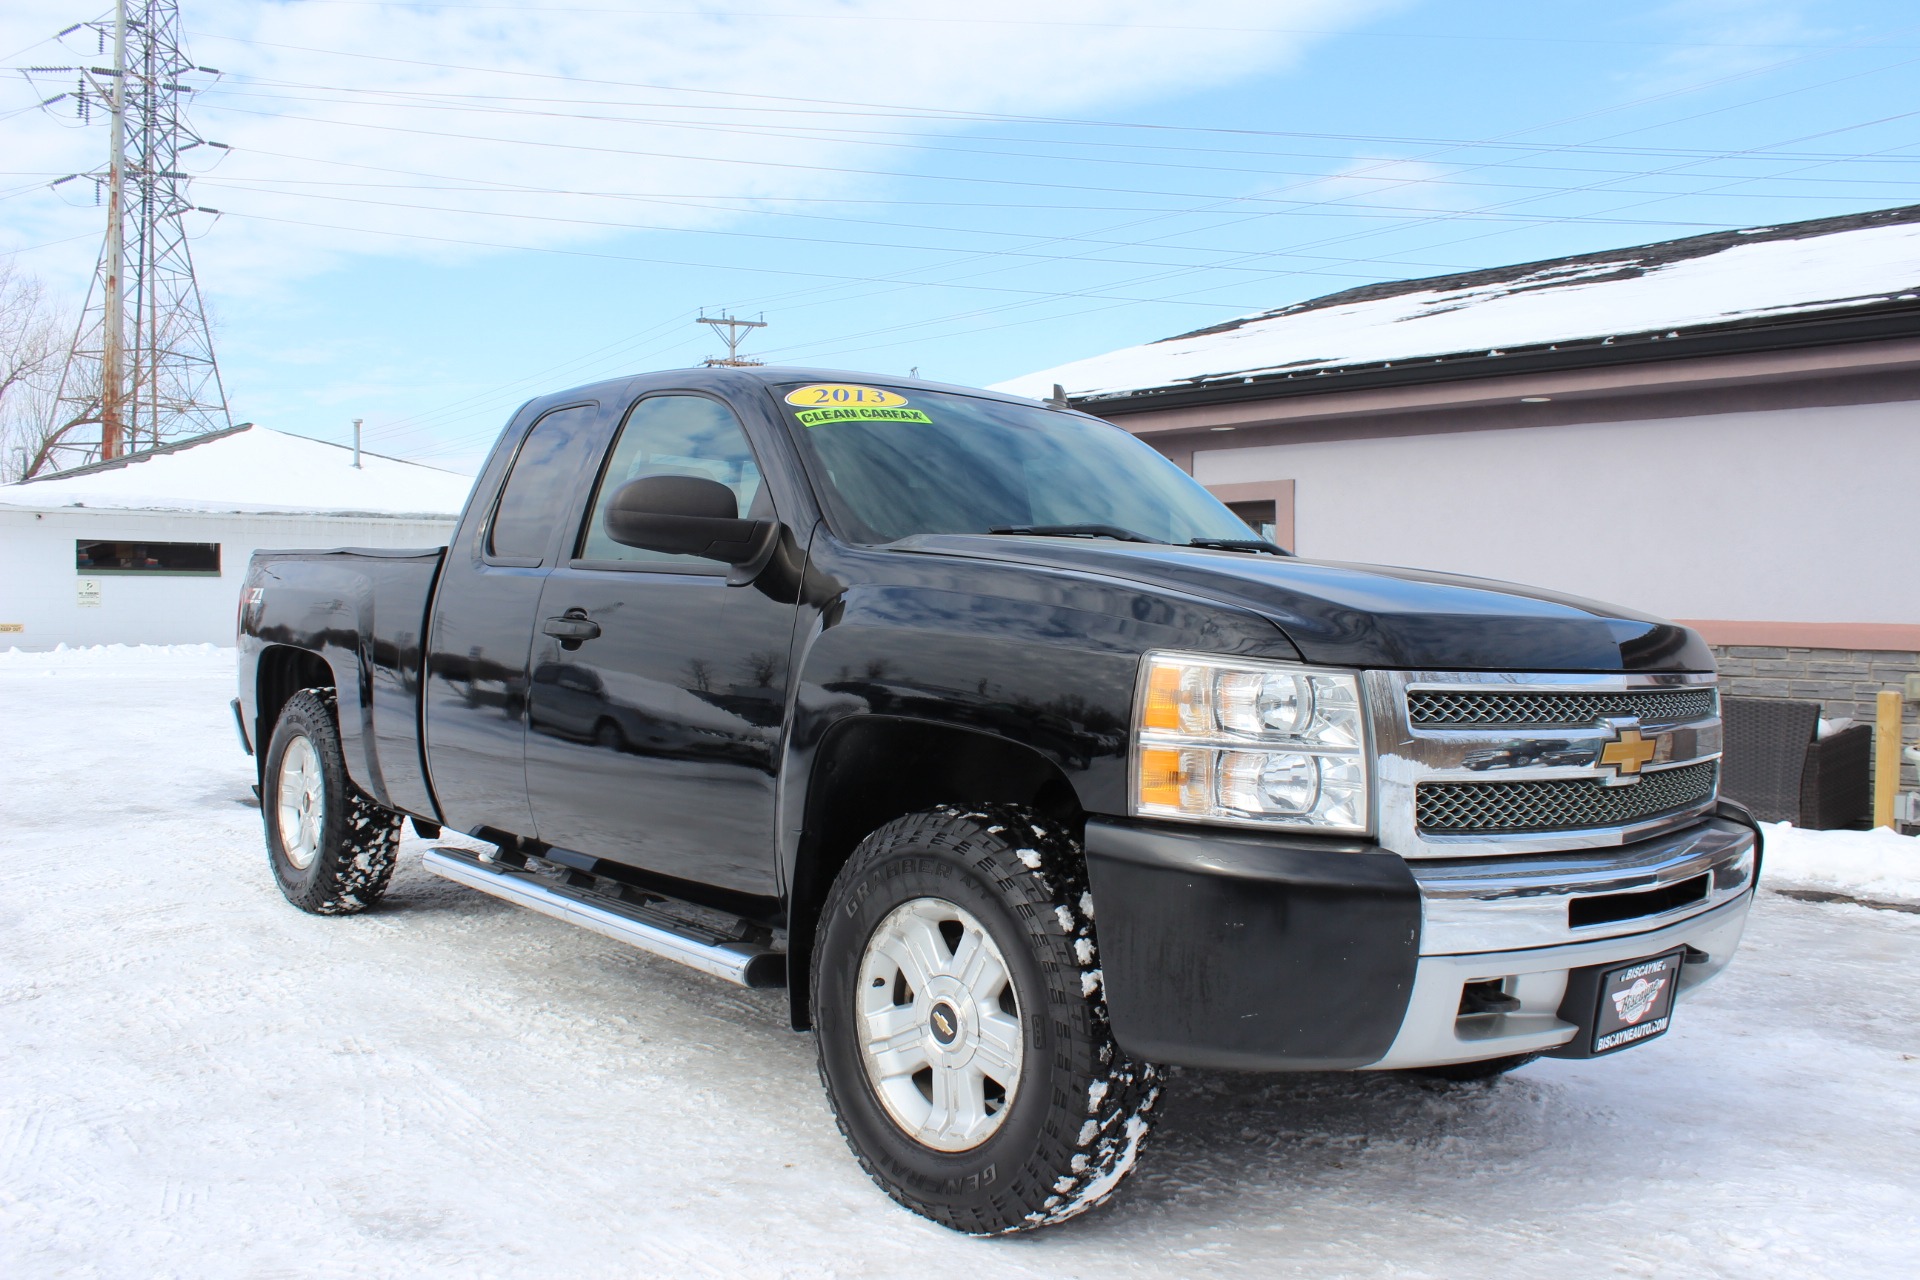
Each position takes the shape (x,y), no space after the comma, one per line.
(1836,791)
(1765,760)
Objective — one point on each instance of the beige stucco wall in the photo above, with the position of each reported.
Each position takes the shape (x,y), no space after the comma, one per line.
(38,579)
(1800,515)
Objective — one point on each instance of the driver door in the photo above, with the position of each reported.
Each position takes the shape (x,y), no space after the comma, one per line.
(653,732)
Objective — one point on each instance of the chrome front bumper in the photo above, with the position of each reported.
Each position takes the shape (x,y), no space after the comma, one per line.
(1513,920)
(1532,900)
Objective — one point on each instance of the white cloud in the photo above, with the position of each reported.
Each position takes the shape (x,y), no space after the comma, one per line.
(1731,38)
(1388,180)
(299,118)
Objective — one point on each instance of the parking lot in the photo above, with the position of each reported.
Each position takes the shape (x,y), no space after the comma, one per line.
(198,1080)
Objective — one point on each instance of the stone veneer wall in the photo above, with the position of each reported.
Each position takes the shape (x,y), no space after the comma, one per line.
(1845,682)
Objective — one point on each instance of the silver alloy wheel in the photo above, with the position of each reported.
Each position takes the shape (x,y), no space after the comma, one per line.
(301,795)
(941,1027)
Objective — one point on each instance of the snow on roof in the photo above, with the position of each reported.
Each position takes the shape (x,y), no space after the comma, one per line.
(250,469)
(1823,265)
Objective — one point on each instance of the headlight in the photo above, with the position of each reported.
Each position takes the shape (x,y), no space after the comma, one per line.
(1250,743)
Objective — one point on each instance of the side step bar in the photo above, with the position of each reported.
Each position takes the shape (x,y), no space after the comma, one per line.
(738,962)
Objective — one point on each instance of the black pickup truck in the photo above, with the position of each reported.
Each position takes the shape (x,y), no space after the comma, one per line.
(1011,753)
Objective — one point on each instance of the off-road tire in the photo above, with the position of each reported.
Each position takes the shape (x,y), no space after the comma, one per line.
(1076,1123)
(359,839)
(1470,1072)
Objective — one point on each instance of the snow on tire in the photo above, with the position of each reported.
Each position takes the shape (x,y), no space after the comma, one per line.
(962,1025)
(332,848)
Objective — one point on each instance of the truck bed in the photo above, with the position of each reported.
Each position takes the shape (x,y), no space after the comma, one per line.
(363,611)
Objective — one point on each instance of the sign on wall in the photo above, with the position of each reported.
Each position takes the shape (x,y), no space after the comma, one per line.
(87,593)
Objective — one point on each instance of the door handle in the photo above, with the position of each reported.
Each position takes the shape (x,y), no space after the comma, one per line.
(573,627)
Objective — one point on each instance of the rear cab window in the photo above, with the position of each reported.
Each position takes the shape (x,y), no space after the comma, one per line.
(539,486)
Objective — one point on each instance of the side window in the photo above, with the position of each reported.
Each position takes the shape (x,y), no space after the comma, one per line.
(539,485)
(674,436)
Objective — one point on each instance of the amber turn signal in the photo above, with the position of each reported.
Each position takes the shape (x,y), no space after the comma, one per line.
(1160,776)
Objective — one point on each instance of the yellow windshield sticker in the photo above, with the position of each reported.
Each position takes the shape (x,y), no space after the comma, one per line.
(860,413)
(845,394)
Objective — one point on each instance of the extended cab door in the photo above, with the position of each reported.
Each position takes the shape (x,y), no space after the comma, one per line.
(658,691)
(483,619)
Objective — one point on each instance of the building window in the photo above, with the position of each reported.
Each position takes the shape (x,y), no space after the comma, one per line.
(199,559)
(1265,505)
(1261,517)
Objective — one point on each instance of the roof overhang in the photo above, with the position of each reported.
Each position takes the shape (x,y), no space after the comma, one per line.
(1885,334)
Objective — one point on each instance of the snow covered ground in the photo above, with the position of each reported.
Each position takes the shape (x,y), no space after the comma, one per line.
(196,1080)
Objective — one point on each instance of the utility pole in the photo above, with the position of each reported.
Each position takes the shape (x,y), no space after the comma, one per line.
(113,372)
(733,337)
(141,370)
(356,442)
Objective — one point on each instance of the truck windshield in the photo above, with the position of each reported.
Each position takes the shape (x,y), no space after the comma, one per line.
(894,463)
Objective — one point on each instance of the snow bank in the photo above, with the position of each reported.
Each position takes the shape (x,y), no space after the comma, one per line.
(116,657)
(197,1080)
(1874,864)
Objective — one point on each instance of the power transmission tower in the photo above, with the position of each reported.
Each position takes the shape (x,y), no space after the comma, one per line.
(733,337)
(141,370)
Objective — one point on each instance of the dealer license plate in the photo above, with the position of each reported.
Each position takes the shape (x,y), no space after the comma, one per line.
(1636,1002)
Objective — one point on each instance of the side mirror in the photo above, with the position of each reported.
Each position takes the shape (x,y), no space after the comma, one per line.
(685,516)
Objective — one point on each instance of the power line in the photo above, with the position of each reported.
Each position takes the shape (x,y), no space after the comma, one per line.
(1033,297)
(839,137)
(983,20)
(1515,133)
(952,117)
(489,103)
(557,220)
(762,164)
(412,424)
(1367,234)
(652,261)
(950,177)
(964,116)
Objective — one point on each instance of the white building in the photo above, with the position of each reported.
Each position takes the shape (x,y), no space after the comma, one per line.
(151,548)
(1723,430)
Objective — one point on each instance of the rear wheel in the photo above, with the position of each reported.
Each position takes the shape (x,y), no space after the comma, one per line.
(332,848)
(962,1029)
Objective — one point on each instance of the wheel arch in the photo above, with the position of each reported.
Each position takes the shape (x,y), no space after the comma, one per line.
(282,671)
(871,769)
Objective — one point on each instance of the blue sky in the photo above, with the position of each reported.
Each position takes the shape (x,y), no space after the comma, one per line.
(434,211)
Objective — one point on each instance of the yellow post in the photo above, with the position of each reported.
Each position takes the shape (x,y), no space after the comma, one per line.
(1886,757)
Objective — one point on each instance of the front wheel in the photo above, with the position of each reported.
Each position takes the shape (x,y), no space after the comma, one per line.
(962,1028)
(332,848)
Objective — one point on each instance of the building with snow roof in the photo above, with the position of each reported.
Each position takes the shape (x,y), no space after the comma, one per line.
(1723,429)
(150,548)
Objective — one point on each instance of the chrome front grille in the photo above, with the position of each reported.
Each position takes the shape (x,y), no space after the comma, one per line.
(1477,764)
(1440,708)
(1573,804)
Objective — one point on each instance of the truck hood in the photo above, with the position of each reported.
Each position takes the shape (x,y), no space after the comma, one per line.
(1356,615)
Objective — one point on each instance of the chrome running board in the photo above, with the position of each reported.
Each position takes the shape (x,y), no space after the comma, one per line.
(738,962)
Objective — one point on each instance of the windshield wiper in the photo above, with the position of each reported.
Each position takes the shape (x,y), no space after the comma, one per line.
(1113,531)
(1260,545)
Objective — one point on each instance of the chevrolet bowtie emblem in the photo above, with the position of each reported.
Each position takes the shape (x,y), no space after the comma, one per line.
(1630,752)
